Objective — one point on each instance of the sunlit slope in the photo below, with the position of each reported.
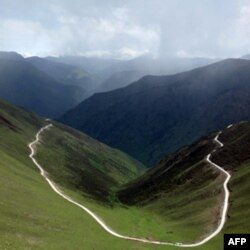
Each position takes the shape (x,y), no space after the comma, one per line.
(187,192)
(32,216)
(81,163)
(181,205)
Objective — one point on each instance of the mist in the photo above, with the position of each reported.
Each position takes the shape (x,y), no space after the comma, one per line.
(126,29)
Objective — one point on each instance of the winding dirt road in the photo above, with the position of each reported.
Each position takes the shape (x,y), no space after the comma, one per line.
(221,223)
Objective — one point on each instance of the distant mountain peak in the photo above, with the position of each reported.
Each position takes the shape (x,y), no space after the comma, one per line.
(11,55)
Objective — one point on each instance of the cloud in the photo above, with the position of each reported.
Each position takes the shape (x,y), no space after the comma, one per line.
(20,35)
(126,29)
(123,53)
(127,53)
(97,53)
(244,22)
(102,36)
(236,35)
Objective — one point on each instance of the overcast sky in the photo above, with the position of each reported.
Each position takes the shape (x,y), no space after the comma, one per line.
(126,29)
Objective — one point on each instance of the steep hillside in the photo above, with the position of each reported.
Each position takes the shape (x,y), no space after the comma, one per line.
(77,161)
(81,163)
(183,208)
(158,115)
(31,214)
(24,85)
(181,166)
(184,188)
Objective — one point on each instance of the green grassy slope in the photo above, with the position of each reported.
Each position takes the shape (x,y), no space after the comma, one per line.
(76,161)
(238,220)
(188,194)
(32,216)
(182,206)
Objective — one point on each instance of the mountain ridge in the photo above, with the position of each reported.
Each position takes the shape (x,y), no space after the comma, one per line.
(160,114)
(26,86)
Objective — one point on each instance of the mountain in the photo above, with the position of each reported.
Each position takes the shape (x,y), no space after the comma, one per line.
(78,162)
(32,215)
(157,66)
(125,72)
(159,114)
(105,68)
(119,80)
(180,167)
(91,64)
(162,65)
(110,74)
(67,74)
(10,55)
(81,163)
(26,86)
(184,187)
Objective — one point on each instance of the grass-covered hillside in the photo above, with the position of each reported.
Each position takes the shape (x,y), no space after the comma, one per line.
(32,216)
(77,161)
(181,206)
(187,191)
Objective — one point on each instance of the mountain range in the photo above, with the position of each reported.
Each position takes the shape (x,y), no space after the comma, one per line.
(54,85)
(45,87)
(119,80)
(26,86)
(109,69)
(159,114)
(66,74)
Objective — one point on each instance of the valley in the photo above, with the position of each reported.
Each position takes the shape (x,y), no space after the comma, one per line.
(171,211)
(33,217)
(124,125)
(158,115)
(222,216)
